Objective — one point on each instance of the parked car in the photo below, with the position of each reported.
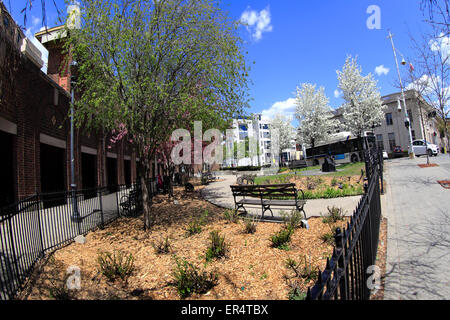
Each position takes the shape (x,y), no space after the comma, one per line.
(420,148)
(385,155)
(397,152)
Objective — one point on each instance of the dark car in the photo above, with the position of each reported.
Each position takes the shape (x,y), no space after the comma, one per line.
(397,152)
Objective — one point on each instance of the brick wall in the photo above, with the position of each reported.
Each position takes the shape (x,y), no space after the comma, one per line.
(39,104)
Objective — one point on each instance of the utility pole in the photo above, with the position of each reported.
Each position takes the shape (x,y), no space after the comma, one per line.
(410,151)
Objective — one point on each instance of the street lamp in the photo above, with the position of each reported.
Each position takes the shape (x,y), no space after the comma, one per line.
(407,122)
(75,213)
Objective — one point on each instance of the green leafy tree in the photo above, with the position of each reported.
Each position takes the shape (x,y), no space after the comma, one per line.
(150,67)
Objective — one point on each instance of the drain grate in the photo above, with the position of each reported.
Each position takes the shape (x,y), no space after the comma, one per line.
(445,183)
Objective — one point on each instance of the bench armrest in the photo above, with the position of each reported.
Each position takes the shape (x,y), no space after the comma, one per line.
(303,194)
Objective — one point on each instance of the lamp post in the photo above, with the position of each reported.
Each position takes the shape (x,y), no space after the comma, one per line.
(407,122)
(75,213)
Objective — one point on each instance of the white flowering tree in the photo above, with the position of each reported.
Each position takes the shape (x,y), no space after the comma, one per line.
(313,114)
(286,132)
(363,108)
(282,128)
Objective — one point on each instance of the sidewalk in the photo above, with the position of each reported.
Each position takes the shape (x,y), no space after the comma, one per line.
(219,194)
(418,249)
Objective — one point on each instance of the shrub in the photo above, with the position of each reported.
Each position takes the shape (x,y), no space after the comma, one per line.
(217,248)
(162,246)
(281,238)
(250,226)
(189,279)
(115,265)
(335,214)
(59,291)
(293,220)
(328,238)
(195,227)
(305,271)
(231,216)
(296,293)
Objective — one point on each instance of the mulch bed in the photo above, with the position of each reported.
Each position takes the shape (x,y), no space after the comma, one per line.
(381,259)
(251,270)
(428,165)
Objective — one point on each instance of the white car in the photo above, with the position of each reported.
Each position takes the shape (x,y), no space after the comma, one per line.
(385,155)
(421,148)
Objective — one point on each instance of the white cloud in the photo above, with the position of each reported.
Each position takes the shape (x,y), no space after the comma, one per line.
(381,69)
(337,93)
(35,21)
(257,22)
(442,44)
(286,108)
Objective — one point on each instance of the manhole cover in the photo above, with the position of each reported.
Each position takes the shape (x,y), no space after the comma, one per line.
(445,183)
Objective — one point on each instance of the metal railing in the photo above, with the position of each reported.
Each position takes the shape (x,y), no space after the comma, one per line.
(37,224)
(346,274)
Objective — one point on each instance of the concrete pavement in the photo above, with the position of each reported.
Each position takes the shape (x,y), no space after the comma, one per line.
(418,249)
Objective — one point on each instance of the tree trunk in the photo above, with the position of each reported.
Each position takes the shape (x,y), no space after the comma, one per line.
(146,196)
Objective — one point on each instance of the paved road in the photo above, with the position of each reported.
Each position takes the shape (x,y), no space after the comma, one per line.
(219,193)
(418,250)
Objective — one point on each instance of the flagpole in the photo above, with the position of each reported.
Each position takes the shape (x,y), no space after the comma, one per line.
(410,150)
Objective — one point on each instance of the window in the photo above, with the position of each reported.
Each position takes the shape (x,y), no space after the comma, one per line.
(389,119)
(391,137)
(410,116)
(380,143)
(413,134)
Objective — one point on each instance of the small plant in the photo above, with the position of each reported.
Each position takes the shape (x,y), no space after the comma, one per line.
(59,291)
(115,265)
(189,279)
(296,293)
(217,248)
(231,216)
(195,226)
(335,214)
(334,182)
(328,238)
(305,271)
(162,246)
(250,226)
(292,220)
(281,238)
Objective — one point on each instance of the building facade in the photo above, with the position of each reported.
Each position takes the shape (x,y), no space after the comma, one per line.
(35,127)
(393,132)
(256,130)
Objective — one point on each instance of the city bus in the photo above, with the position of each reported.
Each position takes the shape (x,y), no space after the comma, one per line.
(343,147)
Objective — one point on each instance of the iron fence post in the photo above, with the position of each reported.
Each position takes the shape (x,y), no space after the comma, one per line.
(39,223)
(13,247)
(99,194)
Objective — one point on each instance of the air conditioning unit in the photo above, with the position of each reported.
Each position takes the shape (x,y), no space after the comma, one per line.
(32,52)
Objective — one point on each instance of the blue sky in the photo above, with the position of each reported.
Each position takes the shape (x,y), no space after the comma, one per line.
(296,41)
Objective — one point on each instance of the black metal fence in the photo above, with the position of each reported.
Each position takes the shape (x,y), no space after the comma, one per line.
(346,274)
(43,222)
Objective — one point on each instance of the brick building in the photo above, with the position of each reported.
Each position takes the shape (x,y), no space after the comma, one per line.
(35,127)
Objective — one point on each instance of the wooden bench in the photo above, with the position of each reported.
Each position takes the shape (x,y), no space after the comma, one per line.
(278,195)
